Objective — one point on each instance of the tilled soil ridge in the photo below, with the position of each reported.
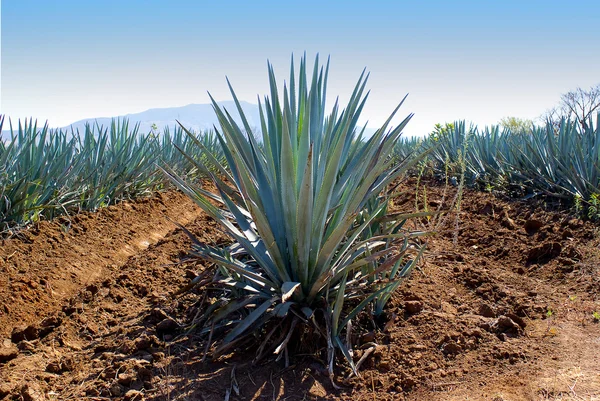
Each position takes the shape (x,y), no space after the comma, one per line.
(52,261)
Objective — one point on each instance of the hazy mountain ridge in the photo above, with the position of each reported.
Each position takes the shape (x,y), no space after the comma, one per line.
(198,117)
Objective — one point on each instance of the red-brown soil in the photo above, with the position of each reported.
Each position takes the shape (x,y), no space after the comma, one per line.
(501,309)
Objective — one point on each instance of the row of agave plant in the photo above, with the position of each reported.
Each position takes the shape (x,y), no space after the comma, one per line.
(45,173)
(560,162)
(314,247)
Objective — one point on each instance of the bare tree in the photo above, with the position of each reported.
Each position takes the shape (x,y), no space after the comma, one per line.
(578,104)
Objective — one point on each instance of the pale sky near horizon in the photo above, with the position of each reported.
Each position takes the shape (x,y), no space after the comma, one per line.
(67,60)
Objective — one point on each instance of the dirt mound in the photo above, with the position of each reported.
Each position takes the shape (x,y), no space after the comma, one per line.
(496,312)
(54,260)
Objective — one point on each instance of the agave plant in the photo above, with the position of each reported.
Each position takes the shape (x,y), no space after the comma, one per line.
(114,163)
(35,172)
(561,163)
(295,206)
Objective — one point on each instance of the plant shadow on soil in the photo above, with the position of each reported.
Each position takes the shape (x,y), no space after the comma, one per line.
(500,310)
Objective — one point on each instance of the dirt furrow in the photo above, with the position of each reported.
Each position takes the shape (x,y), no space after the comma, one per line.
(102,324)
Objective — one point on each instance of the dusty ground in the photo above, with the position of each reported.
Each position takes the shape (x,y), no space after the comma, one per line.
(502,309)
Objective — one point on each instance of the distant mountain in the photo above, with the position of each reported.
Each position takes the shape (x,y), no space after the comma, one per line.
(198,117)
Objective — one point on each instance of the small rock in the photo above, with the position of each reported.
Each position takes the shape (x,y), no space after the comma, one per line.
(409,382)
(505,322)
(53,367)
(5,390)
(367,337)
(144,342)
(32,392)
(101,348)
(58,367)
(488,209)
(51,321)
(532,226)
(413,307)
(127,347)
(21,333)
(486,310)
(70,309)
(8,353)
(115,389)
(67,364)
(92,288)
(451,348)
(144,374)
(517,319)
(168,325)
(412,297)
(133,395)
(384,366)
(507,325)
(27,346)
(544,253)
(48,325)
(125,379)
(159,314)
(567,234)
(487,326)
(475,333)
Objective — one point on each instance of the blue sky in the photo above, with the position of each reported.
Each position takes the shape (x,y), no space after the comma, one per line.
(65,60)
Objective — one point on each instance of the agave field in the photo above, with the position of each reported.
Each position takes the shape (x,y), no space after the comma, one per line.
(46,173)
(303,261)
(559,163)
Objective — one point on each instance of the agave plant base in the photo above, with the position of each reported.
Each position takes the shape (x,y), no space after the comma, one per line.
(290,339)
